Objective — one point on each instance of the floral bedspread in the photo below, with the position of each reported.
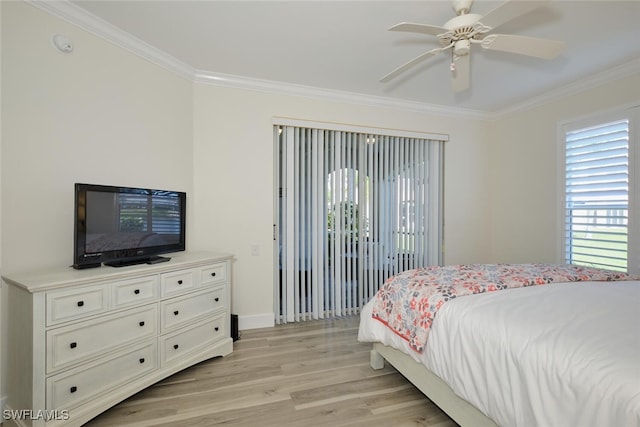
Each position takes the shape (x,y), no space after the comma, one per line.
(408,302)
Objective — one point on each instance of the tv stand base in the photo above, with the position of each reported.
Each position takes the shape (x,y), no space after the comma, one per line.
(158,259)
(136,261)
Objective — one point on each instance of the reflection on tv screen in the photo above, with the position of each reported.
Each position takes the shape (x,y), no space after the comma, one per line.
(117,221)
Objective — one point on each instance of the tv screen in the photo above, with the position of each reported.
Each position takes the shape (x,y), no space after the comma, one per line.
(123,225)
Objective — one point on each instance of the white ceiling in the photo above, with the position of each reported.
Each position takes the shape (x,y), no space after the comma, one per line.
(344,46)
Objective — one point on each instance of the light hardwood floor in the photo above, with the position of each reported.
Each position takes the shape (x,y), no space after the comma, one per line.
(299,374)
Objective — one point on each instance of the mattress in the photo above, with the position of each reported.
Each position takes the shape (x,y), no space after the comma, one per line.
(562,354)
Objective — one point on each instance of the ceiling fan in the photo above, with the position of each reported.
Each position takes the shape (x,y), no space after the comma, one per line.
(466,29)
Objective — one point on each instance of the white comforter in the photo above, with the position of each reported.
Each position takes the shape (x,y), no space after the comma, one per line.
(565,354)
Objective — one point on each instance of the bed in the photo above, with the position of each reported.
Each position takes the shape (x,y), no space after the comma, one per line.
(514,344)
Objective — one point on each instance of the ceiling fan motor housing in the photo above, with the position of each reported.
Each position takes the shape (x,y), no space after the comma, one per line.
(461,30)
(461,23)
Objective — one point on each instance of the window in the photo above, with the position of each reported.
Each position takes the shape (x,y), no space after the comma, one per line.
(598,211)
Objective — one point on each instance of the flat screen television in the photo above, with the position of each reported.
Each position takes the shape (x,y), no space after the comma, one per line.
(121,226)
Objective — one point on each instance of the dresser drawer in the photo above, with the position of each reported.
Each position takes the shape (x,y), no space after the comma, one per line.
(73,343)
(130,292)
(72,304)
(178,311)
(180,281)
(184,341)
(219,298)
(214,274)
(71,388)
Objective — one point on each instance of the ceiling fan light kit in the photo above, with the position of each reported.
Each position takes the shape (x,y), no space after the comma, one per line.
(465,29)
(462,47)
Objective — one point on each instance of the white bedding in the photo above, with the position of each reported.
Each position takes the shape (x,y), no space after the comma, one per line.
(565,354)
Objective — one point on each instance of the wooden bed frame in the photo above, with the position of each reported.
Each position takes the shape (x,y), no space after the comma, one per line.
(461,411)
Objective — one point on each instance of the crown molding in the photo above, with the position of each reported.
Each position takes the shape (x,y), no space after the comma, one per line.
(75,15)
(281,88)
(79,17)
(624,70)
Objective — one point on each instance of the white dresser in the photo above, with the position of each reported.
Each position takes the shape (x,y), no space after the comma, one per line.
(81,341)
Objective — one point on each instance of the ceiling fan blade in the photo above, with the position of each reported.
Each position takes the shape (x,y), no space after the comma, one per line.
(509,10)
(413,62)
(530,46)
(409,27)
(461,73)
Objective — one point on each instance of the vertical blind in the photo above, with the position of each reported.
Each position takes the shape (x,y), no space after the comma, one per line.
(352,209)
(597,195)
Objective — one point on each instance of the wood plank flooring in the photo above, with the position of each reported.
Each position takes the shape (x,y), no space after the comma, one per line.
(299,374)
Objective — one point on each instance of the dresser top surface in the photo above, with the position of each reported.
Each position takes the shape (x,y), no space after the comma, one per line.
(38,280)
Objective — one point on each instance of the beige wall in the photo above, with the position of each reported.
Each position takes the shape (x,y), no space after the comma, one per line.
(525,180)
(233,147)
(98,115)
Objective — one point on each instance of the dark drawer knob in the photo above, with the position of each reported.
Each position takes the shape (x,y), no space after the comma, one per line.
(80,303)
(175,346)
(216,299)
(142,360)
(73,345)
(137,291)
(175,313)
(73,389)
(213,274)
(216,328)
(179,282)
(141,323)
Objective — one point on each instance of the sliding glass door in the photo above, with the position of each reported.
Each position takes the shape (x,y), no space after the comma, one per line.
(352,209)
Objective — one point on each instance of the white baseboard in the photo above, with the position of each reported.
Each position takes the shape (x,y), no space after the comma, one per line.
(256,321)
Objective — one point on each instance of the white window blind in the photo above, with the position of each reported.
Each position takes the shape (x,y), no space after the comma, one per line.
(597,195)
(135,215)
(352,209)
